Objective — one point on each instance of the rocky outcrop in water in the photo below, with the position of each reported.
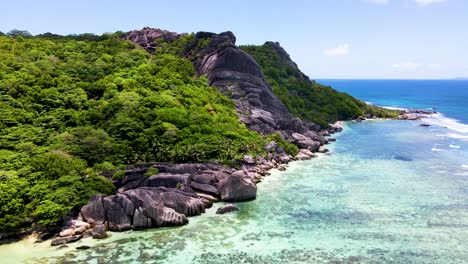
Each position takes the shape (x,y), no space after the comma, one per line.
(227,208)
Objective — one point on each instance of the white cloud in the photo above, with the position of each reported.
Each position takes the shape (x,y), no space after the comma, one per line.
(342,49)
(428,2)
(406,66)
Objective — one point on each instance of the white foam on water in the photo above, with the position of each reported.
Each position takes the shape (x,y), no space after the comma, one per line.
(454,146)
(464,166)
(394,108)
(457,136)
(436,149)
(443,121)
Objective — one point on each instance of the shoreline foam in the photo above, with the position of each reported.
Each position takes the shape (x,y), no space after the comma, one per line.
(443,121)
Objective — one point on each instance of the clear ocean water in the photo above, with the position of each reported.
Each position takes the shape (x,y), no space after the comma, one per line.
(390,192)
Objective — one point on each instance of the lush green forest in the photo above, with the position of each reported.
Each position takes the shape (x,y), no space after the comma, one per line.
(308,99)
(74,106)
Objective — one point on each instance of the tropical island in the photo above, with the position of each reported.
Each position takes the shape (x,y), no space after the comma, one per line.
(142,129)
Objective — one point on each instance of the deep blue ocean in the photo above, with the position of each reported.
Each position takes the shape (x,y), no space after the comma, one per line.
(449,97)
(389,191)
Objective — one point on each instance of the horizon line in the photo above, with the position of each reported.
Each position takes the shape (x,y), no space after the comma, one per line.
(393,79)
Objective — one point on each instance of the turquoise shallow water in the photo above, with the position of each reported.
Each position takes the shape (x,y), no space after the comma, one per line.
(390,192)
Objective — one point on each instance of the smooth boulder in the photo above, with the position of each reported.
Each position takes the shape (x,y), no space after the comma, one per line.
(94,212)
(144,207)
(305,142)
(99,232)
(119,211)
(237,187)
(65,240)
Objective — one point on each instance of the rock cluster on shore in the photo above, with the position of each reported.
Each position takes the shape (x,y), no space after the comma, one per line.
(179,191)
(414,114)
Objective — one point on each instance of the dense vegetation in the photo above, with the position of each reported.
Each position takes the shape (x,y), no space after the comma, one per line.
(74,106)
(305,98)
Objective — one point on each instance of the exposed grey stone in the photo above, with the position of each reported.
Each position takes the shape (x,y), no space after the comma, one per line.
(83,247)
(249,159)
(237,187)
(99,231)
(80,230)
(206,188)
(204,179)
(322,149)
(227,208)
(119,211)
(67,232)
(65,240)
(305,142)
(167,180)
(93,212)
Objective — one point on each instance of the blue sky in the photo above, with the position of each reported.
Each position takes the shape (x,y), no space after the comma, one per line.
(405,39)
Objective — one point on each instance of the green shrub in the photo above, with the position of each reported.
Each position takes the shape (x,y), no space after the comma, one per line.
(151,171)
(118,174)
(290,148)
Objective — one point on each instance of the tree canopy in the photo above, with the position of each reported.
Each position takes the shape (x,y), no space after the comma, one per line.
(76,105)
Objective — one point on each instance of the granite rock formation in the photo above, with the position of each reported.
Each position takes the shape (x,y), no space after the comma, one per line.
(144,207)
(236,74)
(178,191)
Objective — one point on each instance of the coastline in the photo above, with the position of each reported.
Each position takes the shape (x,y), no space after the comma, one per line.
(254,168)
(28,244)
(44,251)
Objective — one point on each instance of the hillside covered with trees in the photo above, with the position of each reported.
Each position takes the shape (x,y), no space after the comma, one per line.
(304,98)
(74,106)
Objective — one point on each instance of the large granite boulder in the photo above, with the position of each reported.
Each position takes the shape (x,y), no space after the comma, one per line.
(99,232)
(167,180)
(143,207)
(305,142)
(149,204)
(293,124)
(237,187)
(305,154)
(205,188)
(119,210)
(94,212)
(147,37)
(232,71)
(316,137)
